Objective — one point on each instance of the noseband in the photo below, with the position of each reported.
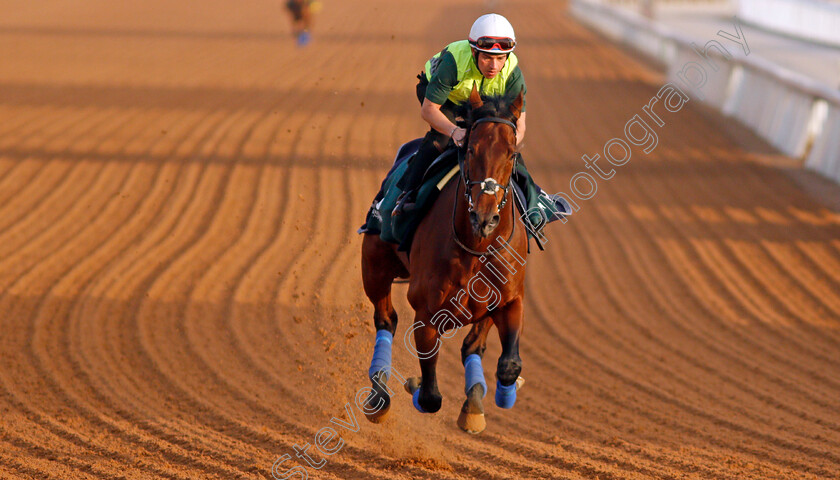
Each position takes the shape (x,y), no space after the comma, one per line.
(488,186)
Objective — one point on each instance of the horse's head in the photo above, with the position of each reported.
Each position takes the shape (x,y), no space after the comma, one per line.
(489,160)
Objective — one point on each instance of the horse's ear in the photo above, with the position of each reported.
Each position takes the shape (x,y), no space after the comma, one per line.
(475,98)
(516,106)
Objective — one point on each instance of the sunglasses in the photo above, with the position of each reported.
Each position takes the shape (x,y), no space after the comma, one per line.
(491,43)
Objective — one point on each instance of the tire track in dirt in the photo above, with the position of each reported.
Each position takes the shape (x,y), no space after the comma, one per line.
(94,410)
(614,220)
(605,137)
(219,374)
(739,189)
(156,432)
(630,294)
(246,356)
(642,412)
(676,354)
(71,402)
(204,313)
(758,315)
(24,122)
(23,203)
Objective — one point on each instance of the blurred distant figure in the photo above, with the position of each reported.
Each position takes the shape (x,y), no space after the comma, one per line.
(302,12)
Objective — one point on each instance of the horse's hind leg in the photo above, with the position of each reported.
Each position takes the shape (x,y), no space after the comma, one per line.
(471,418)
(380,266)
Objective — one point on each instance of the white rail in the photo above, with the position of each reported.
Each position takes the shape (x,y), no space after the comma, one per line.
(814,20)
(799,116)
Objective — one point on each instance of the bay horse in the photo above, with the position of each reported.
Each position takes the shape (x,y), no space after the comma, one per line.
(466,267)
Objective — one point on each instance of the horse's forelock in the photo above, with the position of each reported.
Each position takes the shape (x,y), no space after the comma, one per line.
(493,107)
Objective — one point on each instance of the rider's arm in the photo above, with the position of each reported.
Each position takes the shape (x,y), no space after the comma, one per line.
(430,111)
(515,85)
(443,80)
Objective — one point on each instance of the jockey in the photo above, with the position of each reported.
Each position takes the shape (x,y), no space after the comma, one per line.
(301,12)
(485,60)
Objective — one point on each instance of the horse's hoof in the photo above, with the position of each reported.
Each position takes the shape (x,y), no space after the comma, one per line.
(471,419)
(378,397)
(472,423)
(379,416)
(412,384)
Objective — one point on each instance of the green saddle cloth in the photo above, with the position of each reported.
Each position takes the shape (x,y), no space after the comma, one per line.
(542,208)
(400,229)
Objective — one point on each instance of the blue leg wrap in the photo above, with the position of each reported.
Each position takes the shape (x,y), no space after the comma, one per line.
(381,354)
(415,399)
(505,396)
(474,373)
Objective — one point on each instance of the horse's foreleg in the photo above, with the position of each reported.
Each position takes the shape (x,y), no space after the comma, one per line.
(509,322)
(425,393)
(379,268)
(476,340)
(471,419)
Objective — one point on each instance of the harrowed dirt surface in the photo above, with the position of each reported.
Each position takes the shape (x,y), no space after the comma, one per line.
(180,291)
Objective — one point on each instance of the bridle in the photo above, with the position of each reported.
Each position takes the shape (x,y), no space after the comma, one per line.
(488,186)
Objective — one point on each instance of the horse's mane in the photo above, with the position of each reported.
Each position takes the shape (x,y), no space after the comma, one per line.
(494,106)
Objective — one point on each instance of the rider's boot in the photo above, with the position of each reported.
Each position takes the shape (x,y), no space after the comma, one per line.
(406,202)
(412,179)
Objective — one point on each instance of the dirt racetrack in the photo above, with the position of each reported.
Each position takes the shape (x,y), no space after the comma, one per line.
(180,294)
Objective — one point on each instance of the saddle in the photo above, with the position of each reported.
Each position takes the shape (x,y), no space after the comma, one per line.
(528,197)
(399,230)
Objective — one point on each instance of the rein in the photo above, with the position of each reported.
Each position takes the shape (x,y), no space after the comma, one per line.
(488,186)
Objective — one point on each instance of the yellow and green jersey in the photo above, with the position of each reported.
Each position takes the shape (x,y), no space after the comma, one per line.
(453,72)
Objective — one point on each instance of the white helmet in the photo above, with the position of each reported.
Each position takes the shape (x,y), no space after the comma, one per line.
(492,33)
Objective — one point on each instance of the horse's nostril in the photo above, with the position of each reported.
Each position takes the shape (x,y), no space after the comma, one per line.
(474,218)
(495,219)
